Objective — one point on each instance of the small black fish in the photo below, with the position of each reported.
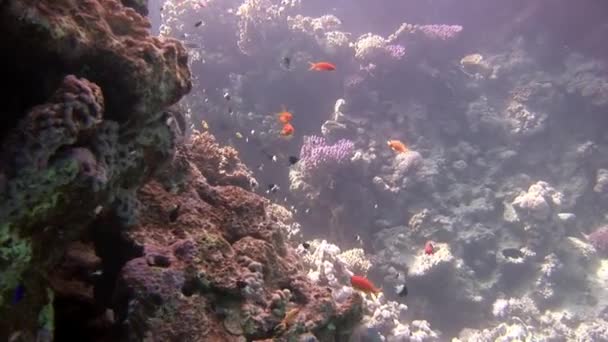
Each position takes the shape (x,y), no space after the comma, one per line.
(162,8)
(95,275)
(514,253)
(306,245)
(270,155)
(401,290)
(227,96)
(19,293)
(198,23)
(293,160)
(272,188)
(174,213)
(286,62)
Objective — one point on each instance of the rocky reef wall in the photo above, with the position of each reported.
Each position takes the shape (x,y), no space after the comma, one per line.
(84,125)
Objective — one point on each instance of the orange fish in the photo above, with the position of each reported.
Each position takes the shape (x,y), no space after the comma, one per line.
(363,284)
(397,146)
(289,318)
(285,116)
(287,130)
(322,66)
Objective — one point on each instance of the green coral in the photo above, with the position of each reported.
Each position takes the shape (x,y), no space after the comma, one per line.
(15,255)
(46,316)
(248,324)
(34,195)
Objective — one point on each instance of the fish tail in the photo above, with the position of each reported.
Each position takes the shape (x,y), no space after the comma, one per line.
(312,65)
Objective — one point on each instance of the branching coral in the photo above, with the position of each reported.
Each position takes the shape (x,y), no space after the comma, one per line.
(356,261)
(440,32)
(256,19)
(369,46)
(318,156)
(314,26)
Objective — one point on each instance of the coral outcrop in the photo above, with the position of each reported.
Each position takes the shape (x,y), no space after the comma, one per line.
(104,42)
(222,270)
(382,317)
(85,124)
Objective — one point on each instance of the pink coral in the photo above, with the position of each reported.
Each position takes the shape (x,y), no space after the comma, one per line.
(599,239)
(396,51)
(440,32)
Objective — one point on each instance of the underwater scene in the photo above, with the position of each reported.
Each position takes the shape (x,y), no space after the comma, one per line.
(304,171)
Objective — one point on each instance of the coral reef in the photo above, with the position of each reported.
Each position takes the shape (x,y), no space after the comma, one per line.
(106,43)
(382,317)
(222,269)
(121,221)
(318,157)
(505,168)
(85,125)
(219,164)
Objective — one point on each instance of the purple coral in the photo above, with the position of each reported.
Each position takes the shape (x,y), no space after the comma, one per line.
(396,51)
(440,32)
(317,154)
(599,239)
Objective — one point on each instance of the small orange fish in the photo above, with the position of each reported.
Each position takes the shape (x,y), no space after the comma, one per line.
(285,116)
(363,284)
(322,66)
(287,130)
(289,318)
(397,146)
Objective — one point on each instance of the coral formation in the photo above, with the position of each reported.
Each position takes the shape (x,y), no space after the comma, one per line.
(382,317)
(108,44)
(318,157)
(85,126)
(227,257)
